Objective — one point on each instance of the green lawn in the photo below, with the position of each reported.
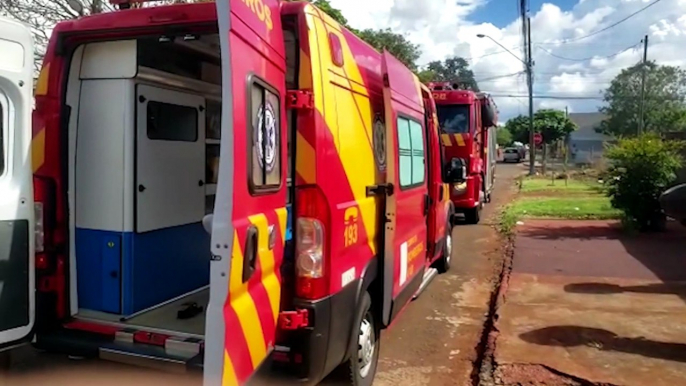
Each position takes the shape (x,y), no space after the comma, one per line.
(534,185)
(587,207)
(576,201)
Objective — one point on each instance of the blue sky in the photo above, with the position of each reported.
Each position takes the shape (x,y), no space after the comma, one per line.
(568,73)
(501,12)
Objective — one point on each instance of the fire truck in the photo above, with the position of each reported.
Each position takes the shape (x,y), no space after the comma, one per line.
(242,188)
(468,124)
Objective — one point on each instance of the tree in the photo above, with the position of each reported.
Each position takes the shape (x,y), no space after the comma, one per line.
(335,13)
(503,137)
(641,169)
(664,108)
(396,44)
(455,70)
(552,124)
(519,128)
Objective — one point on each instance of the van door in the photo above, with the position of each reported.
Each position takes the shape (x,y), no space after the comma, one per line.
(17,217)
(249,222)
(407,198)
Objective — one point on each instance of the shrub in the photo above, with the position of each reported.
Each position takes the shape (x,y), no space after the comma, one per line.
(641,169)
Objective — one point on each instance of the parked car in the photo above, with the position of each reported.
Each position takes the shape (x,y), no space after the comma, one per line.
(512,155)
(673,202)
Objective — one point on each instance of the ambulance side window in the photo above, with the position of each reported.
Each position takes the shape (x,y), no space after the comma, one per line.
(170,122)
(265,137)
(411,153)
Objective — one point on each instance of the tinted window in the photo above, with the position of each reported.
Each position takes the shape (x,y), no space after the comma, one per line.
(453,119)
(265,137)
(171,122)
(410,153)
(509,151)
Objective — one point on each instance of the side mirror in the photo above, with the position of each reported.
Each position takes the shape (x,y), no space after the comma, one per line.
(457,171)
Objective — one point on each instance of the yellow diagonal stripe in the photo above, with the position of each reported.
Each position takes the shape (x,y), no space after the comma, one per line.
(38,150)
(269,279)
(229,377)
(244,306)
(445,138)
(459,139)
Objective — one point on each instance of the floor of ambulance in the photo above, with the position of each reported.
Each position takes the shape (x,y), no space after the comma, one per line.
(163,317)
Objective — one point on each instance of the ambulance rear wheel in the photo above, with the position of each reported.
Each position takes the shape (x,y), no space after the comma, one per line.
(364,360)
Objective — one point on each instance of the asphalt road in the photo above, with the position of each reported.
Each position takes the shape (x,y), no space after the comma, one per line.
(435,341)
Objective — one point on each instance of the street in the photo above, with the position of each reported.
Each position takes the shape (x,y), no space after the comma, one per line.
(437,340)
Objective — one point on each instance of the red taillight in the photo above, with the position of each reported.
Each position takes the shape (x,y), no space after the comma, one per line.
(311,253)
(43,190)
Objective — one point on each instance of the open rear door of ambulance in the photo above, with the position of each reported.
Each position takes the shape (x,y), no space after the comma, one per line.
(17,224)
(407,198)
(249,222)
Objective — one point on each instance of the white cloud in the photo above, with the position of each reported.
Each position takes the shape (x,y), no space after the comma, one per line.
(446,27)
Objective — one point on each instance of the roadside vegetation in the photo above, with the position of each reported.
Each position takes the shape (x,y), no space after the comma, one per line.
(573,199)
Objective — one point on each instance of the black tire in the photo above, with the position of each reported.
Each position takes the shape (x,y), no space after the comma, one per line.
(443,264)
(353,366)
(473,216)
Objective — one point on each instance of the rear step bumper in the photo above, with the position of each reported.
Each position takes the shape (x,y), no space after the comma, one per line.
(179,355)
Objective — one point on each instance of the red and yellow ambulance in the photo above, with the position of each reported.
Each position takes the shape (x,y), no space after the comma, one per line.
(241,187)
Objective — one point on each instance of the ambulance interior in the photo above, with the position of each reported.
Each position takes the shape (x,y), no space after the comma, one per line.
(144,135)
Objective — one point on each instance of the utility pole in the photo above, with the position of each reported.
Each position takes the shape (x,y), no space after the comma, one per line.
(530,81)
(643,85)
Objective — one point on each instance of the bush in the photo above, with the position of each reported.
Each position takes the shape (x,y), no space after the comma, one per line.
(641,169)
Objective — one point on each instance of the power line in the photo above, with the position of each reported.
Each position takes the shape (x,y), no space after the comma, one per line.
(608,27)
(500,76)
(589,58)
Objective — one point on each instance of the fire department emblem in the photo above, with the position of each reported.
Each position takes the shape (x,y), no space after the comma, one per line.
(380,142)
(265,137)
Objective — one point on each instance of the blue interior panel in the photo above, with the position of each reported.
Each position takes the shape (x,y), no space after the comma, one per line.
(98,261)
(164,264)
(123,273)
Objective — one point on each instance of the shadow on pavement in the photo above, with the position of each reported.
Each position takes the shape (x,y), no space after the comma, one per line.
(608,289)
(604,340)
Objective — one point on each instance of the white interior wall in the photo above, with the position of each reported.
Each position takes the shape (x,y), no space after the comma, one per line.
(72,99)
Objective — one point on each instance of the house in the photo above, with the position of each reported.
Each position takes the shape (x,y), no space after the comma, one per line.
(585,145)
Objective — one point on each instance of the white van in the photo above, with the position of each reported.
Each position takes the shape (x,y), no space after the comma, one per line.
(17,216)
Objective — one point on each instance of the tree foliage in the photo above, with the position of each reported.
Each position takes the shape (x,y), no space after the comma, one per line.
(642,168)
(396,44)
(552,124)
(665,93)
(453,69)
(503,137)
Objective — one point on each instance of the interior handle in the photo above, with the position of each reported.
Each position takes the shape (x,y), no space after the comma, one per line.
(141,188)
(201,183)
(250,257)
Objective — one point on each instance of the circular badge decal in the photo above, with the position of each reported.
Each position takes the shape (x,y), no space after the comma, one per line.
(265,140)
(380,142)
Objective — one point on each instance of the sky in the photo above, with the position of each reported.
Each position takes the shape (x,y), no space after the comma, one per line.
(572,69)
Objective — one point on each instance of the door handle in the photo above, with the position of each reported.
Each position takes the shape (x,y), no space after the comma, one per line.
(427,204)
(250,257)
(141,188)
(201,183)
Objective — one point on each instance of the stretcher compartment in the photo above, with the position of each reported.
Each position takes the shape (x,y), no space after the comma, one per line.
(144,148)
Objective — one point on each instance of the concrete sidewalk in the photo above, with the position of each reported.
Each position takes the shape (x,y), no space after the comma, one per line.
(587,304)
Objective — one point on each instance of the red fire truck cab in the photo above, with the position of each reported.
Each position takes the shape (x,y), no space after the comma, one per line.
(468,123)
(235,187)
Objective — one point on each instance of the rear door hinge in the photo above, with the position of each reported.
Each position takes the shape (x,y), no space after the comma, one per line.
(299,100)
(294,320)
